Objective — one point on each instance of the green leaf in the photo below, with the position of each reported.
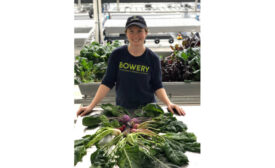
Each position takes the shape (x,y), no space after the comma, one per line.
(79,152)
(100,159)
(193,147)
(94,43)
(158,160)
(101,133)
(176,126)
(130,157)
(113,124)
(182,136)
(184,56)
(84,140)
(93,54)
(92,121)
(150,110)
(175,156)
(113,111)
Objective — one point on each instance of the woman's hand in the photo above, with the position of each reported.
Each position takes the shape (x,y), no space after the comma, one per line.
(173,108)
(84,111)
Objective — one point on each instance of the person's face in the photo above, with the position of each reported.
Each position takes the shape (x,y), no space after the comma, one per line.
(136,35)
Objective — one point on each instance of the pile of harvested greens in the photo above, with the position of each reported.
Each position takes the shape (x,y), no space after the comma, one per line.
(148,138)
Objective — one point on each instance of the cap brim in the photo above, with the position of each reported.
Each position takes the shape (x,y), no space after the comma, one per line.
(136,24)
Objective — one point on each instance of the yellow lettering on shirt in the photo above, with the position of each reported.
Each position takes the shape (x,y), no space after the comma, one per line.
(132,67)
(138,68)
(126,65)
(120,65)
(142,68)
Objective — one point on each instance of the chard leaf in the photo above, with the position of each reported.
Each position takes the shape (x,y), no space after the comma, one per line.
(111,123)
(100,134)
(84,140)
(100,159)
(156,161)
(160,162)
(92,121)
(113,111)
(79,152)
(130,157)
(150,110)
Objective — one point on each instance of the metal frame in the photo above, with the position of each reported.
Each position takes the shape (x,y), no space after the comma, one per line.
(154,37)
(98,19)
(134,1)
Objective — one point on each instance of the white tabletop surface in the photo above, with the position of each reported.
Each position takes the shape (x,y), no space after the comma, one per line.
(191,119)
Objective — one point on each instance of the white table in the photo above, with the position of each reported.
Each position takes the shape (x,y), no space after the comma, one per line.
(192,119)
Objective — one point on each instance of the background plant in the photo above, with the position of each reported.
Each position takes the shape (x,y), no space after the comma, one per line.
(91,64)
(184,62)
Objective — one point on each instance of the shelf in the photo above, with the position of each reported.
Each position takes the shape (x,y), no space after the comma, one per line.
(156,25)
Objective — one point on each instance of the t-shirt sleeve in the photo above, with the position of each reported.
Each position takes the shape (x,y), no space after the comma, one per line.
(109,78)
(156,75)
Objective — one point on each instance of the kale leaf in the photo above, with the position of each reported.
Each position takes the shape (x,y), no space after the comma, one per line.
(79,152)
(100,159)
(175,156)
(150,110)
(112,110)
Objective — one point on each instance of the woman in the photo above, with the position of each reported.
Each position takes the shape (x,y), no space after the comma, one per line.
(135,71)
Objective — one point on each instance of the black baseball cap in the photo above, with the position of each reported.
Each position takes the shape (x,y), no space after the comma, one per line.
(136,20)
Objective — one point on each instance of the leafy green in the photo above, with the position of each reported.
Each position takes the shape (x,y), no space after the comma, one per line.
(165,123)
(92,121)
(100,159)
(84,140)
(112,110)
(99,120)
(149,110)
(181,136)
(175,126)
(137,147)
(130,157)
(184,62)
(193,147)
(91,64)
(175,156)
(184,141)
(79,152)
(111,123)
(101,133)
(155,158)
(80,147)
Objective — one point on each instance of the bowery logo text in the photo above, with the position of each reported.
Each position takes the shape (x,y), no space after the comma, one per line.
(124,66)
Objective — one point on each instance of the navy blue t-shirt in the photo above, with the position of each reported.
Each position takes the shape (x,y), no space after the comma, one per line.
(136,78)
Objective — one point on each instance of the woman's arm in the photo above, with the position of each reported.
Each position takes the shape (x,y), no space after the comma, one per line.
(100,94)
(106,85)
(161,94)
